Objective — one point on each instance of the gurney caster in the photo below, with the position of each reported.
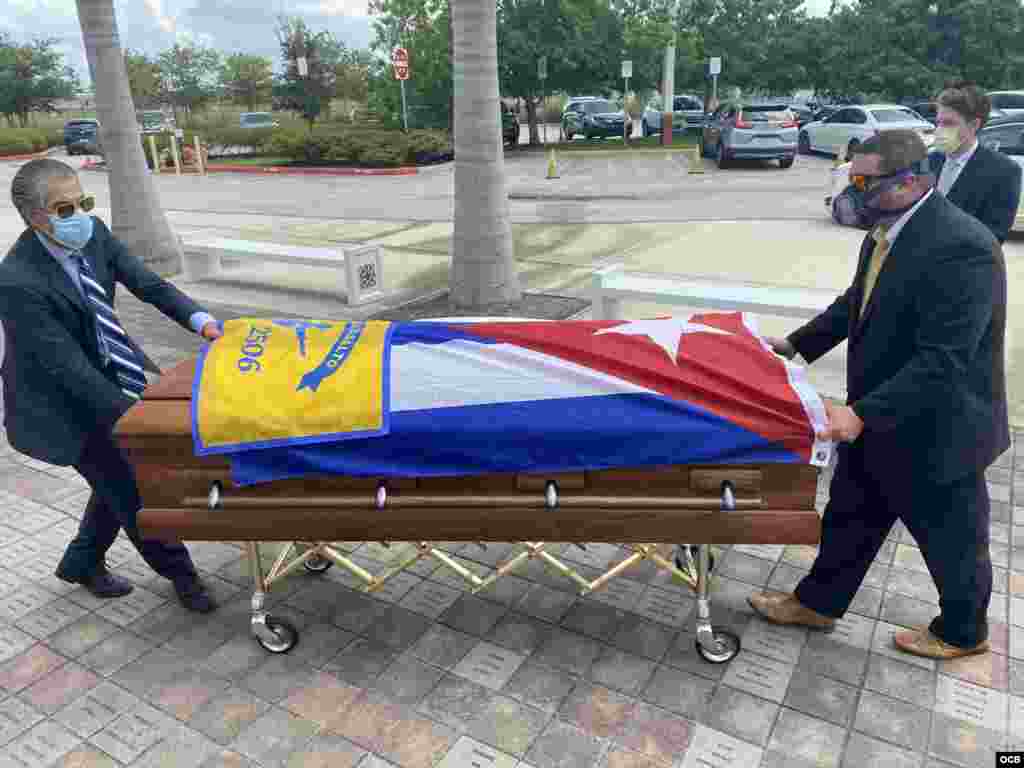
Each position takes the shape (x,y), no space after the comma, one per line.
(318,564)
(275,635)
(717,646)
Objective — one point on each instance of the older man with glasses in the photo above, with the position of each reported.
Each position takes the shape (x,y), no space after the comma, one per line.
(70,371)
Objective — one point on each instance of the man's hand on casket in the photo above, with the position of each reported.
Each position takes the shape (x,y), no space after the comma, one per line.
(781,347)
(211,331)
(843,424)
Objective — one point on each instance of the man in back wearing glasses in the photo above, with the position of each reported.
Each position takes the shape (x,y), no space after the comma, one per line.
(70,371)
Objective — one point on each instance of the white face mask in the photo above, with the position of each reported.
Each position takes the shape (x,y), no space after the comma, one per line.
(948,138)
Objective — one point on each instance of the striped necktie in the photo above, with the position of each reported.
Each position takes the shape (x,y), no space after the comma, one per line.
(114,345)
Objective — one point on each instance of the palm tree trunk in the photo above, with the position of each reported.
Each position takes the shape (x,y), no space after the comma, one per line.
(483,269)
(138,220)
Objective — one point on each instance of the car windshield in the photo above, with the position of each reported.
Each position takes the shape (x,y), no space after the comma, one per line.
(764,114)
(596,107)
(683,103)
(80,124)
(894,116)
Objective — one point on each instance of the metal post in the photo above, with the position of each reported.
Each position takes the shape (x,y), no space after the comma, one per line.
(714,89)
(405,114)
(154,153)
(625,113)
(669,84)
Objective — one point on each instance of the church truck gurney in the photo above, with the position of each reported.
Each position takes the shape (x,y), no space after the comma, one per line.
(326,433)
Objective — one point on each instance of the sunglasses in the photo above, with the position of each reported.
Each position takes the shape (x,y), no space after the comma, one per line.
(67,210)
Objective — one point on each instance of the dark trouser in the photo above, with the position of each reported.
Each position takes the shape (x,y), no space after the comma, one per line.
(115,504)
(950,523)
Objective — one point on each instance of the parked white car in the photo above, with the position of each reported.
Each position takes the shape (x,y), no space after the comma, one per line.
(840,133)
(1008,102)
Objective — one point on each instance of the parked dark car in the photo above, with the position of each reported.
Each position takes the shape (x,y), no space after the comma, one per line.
(82,137)
(594,118)
(509,127)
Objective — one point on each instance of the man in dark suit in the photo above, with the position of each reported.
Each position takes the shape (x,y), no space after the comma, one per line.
(978,180)
(925,320)
(70,371)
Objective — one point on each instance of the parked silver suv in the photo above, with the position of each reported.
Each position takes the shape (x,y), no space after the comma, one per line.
(751,131)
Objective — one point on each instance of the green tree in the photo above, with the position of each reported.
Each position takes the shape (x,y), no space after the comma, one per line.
(422,27)
(144,78)
(189,75)
(247,79)
(352,76)
(306,93)
(33,77)
(582,39)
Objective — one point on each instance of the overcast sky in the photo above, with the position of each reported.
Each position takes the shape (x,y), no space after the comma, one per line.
(227,25)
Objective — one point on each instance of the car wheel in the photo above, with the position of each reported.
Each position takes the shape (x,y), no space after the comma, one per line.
(804,143)
(850,148)
(723,161)
(786,162)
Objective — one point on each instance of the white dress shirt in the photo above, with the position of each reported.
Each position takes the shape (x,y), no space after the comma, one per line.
(953,167)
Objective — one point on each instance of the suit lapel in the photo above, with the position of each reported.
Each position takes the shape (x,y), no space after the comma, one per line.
(53,273)
(958,193)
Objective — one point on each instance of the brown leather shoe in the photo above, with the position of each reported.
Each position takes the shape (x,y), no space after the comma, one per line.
(784,608)
(921,642)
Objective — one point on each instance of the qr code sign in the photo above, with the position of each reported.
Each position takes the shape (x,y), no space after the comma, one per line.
(367,276)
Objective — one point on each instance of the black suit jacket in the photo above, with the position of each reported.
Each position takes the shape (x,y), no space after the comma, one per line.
(56,390)
(988,188)
(925,366)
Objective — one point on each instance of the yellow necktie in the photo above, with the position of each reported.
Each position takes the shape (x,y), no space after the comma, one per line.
(875,265)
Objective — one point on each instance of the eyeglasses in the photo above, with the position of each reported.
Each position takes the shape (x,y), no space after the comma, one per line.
(67,210)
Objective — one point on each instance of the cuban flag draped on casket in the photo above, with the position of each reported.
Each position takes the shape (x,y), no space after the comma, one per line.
(467,398)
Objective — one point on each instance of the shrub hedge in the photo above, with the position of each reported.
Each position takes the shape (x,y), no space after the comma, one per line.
(359,146)
(24,141)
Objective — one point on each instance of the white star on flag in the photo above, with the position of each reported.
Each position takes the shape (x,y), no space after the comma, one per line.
(667,334)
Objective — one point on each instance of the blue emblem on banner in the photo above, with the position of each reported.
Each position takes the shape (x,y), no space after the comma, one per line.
(300,327)
(335,358)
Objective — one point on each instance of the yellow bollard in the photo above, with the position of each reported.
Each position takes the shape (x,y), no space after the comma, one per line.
(552,164)
(696,164)
(200,165)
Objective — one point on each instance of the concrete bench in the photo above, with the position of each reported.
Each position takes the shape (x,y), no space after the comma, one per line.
(612,285)
(362,281)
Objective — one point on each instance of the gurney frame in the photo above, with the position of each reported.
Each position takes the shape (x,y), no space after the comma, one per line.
(279,636)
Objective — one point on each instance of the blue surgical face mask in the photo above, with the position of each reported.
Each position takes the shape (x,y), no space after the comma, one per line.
(74,231)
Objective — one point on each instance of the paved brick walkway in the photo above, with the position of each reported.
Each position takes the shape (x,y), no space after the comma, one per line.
(424,674)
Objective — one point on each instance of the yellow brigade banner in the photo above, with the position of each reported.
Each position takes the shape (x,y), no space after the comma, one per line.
(268,383)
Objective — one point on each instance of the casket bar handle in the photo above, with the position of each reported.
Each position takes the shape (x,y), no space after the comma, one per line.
(551,502)
(728,500)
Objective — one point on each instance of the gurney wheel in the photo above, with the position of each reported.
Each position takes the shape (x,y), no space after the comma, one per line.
(318,564)
(728,646)
(286,636)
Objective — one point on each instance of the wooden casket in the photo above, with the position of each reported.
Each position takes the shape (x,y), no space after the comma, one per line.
(186,497)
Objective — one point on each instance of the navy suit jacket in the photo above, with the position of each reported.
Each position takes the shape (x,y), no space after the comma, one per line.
(988,188)
(925,365)
(56,389)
